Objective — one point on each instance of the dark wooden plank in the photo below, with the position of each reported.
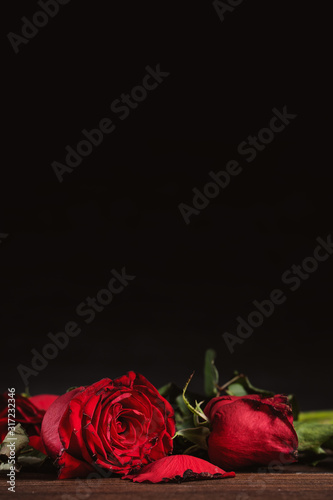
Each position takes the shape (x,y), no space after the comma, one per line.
(293,482)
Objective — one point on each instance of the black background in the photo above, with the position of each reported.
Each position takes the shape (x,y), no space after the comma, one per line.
(120,206)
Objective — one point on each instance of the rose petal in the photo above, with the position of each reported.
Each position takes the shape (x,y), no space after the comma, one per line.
(37,443)
(43,401)
(217,403)
(178,468)
(71,467)
(51,420)
(27,414)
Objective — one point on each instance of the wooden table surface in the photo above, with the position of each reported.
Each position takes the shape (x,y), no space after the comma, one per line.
(294,482)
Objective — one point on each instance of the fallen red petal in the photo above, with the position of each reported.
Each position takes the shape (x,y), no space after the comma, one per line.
(178,468)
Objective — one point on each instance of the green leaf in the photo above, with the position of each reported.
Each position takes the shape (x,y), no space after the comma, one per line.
(236,390)
(182,406)
(183,422)
(166,389)
(197,410)
(197,436)
(4,467)
(312,436)
(29,457)
(321,417)
(242,387)
(15,440)
(211,375)
(183,416)
(26,457)
(18,437)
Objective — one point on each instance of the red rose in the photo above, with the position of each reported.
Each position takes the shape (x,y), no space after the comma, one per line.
(251,430)
(29,412)
(117,424)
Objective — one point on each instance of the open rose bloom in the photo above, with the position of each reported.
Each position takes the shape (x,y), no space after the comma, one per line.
(124,426)
(118,425)
(251,430)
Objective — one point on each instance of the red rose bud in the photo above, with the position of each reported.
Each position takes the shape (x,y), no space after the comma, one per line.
(113,424)
(178,468)
(251,430)
(29,412)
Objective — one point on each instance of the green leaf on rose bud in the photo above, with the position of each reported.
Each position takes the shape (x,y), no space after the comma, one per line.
(241,386)
(196,435)
(186,412)
(197,416)
(211,375)
(183,416)
(312,436)
(197,410)
(182,406)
